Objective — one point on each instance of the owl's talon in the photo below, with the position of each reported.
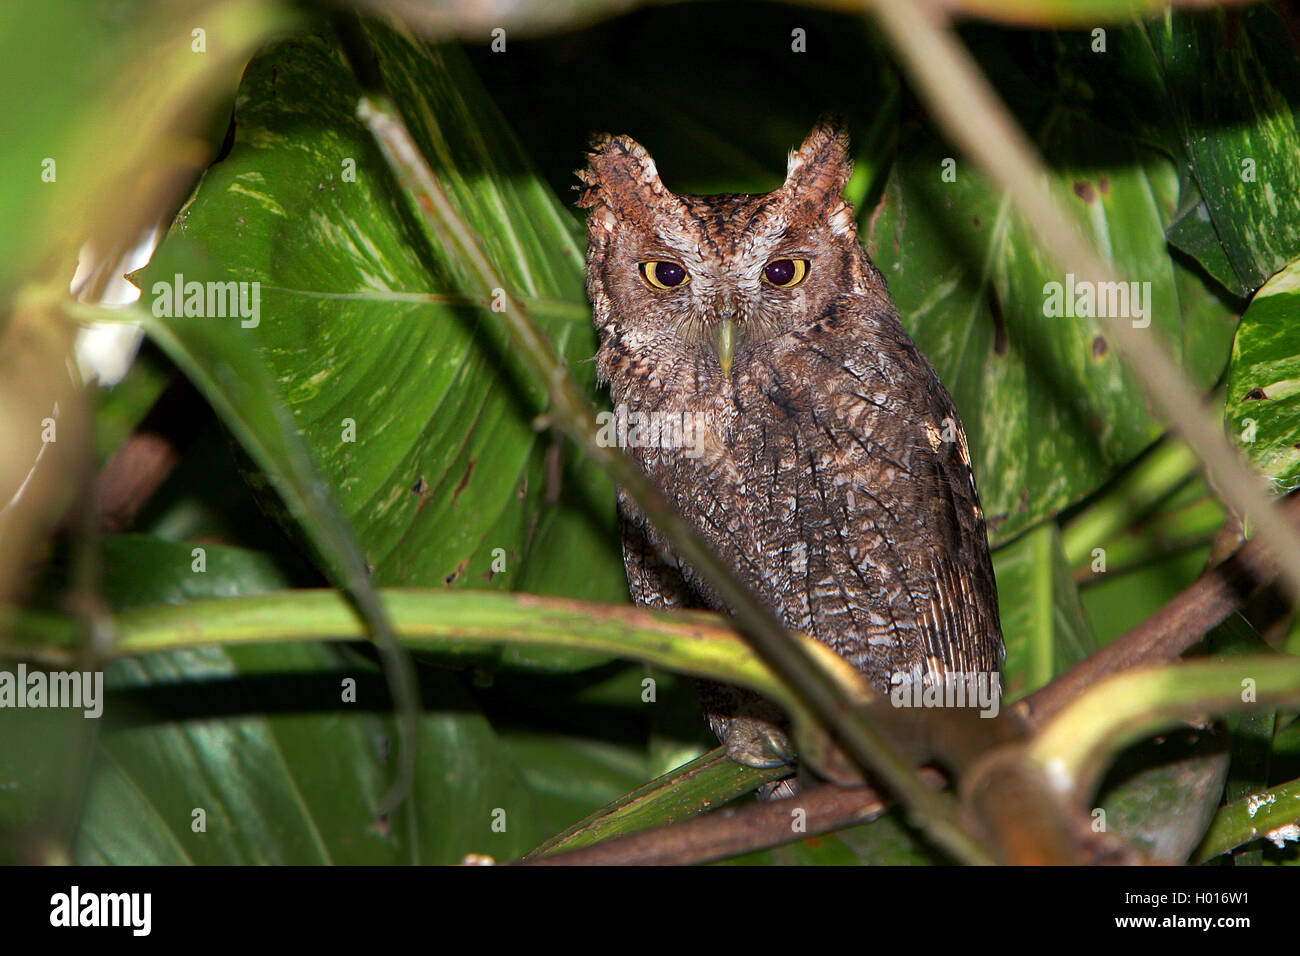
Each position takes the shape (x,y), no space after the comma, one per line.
(756,743)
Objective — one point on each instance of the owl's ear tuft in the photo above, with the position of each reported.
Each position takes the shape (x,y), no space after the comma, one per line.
(620,174)
(819,169)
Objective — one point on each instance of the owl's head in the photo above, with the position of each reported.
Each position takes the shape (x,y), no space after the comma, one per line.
(701,283)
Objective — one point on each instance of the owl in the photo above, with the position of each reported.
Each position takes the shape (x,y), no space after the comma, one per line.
(766,386)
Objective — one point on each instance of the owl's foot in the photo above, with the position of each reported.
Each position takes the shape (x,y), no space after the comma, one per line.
(756,743)
(780,789)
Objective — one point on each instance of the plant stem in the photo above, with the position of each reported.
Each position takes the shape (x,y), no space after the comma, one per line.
(1137,703)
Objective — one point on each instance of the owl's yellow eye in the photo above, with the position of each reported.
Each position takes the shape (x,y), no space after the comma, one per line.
(663,274)
(786,273)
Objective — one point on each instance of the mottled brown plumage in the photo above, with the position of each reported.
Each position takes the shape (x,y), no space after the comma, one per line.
(833,475)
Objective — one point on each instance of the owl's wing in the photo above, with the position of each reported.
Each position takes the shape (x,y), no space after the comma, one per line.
(891,404)
(654,577)
(863,525)
(961,625)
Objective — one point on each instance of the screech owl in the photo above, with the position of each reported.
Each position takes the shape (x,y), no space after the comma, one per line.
(829,470)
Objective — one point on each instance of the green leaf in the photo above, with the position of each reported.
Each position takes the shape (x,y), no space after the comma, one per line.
(1214,90)
(1231,82)
(414,412)
(255,736)
(691,789)
(1271,814)
(1161,794)
(362,322)
(140,570)
(1263,405)
(1049,410)
(1192,231)
(1043,622)
(239,386)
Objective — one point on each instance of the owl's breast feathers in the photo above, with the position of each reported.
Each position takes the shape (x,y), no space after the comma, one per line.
(832,474)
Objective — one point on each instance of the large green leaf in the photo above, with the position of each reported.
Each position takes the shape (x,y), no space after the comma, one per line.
(1214,90)
(1049,409)
(1263,404)
(361,320)
(260,738)
(257,738)
(1043,621)
(1233,82)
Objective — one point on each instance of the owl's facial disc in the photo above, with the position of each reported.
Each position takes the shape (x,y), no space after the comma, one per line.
(726,333)
(716,312)
(668,277)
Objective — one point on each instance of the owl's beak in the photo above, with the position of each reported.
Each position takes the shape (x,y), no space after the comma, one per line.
(724,342)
